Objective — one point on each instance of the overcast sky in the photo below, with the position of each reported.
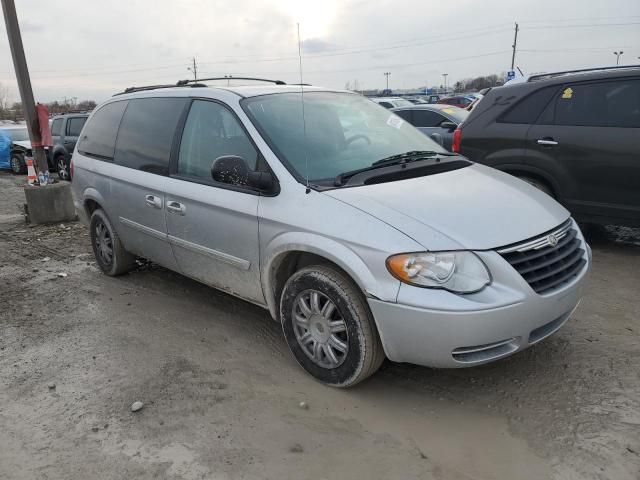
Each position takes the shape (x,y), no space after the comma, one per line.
(90,50)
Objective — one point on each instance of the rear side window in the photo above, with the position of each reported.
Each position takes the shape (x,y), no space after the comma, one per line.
(56,127)
(146,134)
(426,118)
(74,126)
(528,109)
(99,137)
(405,115)
(605,104)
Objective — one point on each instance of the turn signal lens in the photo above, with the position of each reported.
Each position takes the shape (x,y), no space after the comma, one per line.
(458,272)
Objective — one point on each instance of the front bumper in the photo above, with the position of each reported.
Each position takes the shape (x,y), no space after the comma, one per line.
(436,328)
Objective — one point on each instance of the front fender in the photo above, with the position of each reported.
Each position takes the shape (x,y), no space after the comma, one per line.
(277,249)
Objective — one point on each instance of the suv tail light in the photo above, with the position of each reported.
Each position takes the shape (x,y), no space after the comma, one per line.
(71,169)
(457,139)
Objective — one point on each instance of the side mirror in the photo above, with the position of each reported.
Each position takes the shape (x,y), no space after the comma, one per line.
(233,170)
(448,126)
(436,137)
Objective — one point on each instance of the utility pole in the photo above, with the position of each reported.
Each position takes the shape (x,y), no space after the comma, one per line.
(194,68)
(386,74)
(618,54)
(444,75)
(24,84)
(515,43)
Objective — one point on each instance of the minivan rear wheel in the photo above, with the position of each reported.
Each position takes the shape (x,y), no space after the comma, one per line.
(328,326)
(110,255)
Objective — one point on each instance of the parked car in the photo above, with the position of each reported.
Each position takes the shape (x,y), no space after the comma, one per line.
(391,102)
(19,148)
(363,244)
(436,121)
(574,135)
(457,101)
(65,130)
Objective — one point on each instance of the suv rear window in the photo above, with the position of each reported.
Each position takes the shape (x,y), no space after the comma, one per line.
(529,108)
(146,133)
(99,137)
(603,104)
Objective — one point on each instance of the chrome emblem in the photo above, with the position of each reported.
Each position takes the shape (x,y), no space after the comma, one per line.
(553,240)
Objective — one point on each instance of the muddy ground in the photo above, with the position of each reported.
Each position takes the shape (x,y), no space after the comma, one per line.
(222,393)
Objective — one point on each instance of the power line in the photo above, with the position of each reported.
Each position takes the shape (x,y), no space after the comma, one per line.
(586,25)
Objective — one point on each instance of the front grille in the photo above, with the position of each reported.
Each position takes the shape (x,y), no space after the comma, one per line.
(543,265)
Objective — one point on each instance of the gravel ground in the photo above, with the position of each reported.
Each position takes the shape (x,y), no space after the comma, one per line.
(222,394)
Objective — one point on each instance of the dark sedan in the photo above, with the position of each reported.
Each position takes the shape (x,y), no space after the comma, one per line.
(434,120)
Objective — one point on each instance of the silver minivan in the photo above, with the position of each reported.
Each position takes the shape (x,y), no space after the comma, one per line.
(358,233)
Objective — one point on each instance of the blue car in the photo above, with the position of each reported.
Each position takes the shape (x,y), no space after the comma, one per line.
(5,149)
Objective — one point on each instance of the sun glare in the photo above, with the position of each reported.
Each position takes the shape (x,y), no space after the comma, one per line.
(315,16)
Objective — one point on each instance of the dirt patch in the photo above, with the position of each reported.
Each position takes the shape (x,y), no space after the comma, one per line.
(222,394)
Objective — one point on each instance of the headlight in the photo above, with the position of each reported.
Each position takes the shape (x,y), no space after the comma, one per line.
(458,272)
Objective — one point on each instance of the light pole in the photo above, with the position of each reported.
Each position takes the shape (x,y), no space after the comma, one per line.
(386,74)
(618,55)
(444,75)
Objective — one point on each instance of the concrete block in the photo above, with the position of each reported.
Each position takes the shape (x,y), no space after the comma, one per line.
(50,204)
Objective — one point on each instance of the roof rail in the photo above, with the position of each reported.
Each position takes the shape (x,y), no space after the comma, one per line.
(542,76)
(195,83)
(231,77)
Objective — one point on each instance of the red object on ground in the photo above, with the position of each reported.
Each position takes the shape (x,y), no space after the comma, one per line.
(45,131)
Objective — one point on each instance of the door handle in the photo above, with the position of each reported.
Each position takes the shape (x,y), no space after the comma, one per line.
(547,141)
(153,201)
(175,207)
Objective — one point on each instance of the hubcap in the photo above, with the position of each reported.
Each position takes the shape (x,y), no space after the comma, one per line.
(104,245)
(15,164)
(320,329)
(62,168)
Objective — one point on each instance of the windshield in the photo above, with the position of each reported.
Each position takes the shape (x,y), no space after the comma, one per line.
(344,132)
(17,134)
(401,102)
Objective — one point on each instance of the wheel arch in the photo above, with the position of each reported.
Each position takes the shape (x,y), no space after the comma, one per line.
(520,170)
(297,251)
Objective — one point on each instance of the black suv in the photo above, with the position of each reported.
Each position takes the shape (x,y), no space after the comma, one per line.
(575,135)
(65,130)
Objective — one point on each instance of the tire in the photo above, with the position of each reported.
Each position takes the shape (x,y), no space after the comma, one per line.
(104,240)
(62,167)
(348,346)
(540,185)
(18,166)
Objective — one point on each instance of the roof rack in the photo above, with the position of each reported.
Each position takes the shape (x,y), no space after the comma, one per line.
(231,77)
(543,76)
(195,83)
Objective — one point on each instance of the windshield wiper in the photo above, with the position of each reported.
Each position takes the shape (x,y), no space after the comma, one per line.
(410,157)
(400,159)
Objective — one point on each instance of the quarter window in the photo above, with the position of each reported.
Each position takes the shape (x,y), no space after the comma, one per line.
(212,131)
(527,110)
(99,137)
(56,127)
(146,133)
(606,104)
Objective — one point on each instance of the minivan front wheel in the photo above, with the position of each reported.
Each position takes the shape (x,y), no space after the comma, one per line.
(110,255)
(328,326)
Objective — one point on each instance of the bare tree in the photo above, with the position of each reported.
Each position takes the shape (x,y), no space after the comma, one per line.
(4,101)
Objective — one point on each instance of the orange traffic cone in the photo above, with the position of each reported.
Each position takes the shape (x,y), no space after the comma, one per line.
(31,172)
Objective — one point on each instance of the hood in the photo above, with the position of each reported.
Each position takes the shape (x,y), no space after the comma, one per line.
(23,143)
(476,208)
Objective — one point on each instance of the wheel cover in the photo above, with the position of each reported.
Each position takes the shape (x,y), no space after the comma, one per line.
(62,168)
(104,244)
(320,329)
(15,164)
